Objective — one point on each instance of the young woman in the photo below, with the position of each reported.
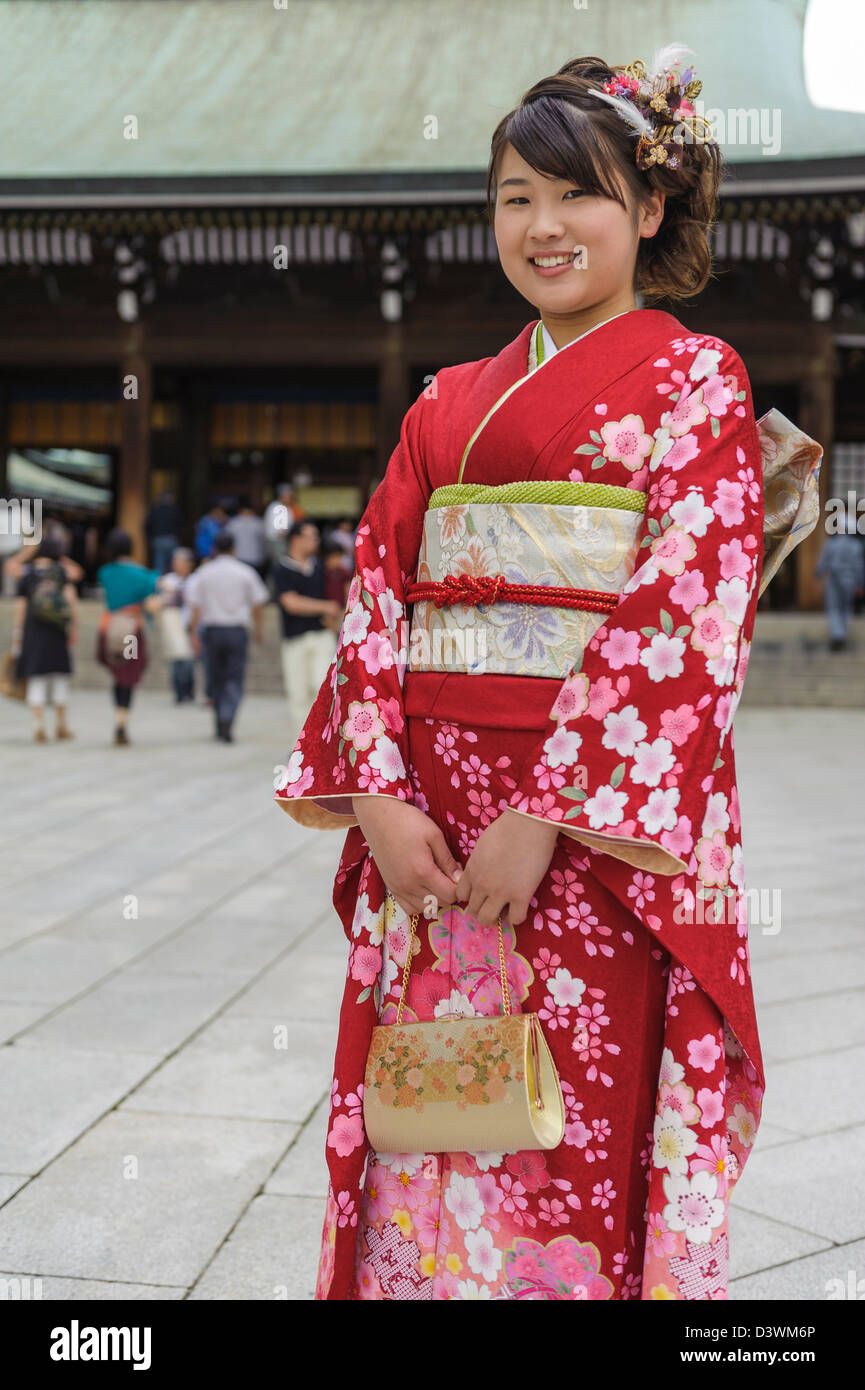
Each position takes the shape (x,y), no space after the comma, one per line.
(46,626)
(121,641)
(569,764)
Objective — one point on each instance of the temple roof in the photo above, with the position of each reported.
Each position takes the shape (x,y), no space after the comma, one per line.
(264,88)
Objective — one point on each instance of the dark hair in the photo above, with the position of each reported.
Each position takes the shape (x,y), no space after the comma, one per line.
(119,543)
(224,543)
(50,548)
(296,528)
(562,130)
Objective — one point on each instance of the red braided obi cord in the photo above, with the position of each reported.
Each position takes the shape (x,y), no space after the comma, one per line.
(473,589)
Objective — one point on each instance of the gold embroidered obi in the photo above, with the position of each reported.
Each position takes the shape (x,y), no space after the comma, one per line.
(562,535)
(567,537)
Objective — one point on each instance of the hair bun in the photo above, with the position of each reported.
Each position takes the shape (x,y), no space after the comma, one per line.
(590,69)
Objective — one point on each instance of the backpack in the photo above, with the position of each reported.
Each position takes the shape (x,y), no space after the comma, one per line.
(48,602)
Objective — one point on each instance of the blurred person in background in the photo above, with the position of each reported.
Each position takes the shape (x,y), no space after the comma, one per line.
(121,643)
(45,627)
(841,566)
(343,535)
(207,529)
(279,517)
(174,619)
(307,643)
(52,529)
(163,526)
(247,529)
(225,595)
(336,580)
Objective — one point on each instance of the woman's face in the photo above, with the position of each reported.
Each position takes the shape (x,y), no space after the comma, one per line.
(564,250)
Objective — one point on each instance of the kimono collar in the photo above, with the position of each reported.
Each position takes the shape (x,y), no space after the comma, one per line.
(520,418)
(542,347)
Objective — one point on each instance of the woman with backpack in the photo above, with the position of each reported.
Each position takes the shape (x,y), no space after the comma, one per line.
(46,618)
(121,642)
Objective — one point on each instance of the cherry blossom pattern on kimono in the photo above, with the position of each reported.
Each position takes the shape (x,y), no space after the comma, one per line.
(643,715)
(357,722)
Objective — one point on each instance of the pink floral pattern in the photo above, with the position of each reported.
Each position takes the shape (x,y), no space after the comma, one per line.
(634,953)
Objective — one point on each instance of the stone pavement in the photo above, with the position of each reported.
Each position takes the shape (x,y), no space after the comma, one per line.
(171,970)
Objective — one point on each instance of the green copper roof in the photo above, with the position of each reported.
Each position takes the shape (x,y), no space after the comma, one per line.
(135,88)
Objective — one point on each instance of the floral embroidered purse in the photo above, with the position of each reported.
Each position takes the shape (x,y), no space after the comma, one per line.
(462,1084)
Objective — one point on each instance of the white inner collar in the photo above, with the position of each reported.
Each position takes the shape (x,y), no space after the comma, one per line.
(549,346)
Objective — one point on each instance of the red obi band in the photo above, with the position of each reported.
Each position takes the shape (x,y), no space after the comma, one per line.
(472,589)
(488,700)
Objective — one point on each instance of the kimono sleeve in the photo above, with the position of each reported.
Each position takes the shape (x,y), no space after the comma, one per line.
(639,726)
(354,741)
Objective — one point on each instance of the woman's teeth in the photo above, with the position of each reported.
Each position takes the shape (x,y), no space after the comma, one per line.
(545,261)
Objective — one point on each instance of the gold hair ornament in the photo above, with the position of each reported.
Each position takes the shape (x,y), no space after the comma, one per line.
(658,104)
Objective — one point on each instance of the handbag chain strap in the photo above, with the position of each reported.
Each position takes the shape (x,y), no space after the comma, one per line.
(506,993)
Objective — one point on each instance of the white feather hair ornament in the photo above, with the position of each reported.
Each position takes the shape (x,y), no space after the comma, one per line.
(647,101)
(665,59)
(629,112)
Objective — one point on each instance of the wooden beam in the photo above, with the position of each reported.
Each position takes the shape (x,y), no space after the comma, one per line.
(133,497)
(197,477)
(816,416)
(4,438)
(393,393)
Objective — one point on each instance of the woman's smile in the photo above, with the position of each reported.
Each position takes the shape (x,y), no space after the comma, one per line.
(551,263)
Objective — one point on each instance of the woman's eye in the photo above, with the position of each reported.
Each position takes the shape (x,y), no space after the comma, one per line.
(575,192)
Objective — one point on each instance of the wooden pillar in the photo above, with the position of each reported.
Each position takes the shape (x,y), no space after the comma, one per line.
(134,481)
(393,393)
(196,477)
(817,418)
(4,438)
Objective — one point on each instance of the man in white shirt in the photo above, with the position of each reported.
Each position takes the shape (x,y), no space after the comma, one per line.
(224,594)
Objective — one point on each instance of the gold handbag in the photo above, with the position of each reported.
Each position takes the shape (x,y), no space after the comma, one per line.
(461,1084)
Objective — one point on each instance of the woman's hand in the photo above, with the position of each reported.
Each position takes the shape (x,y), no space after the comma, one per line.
(409,850)
(508,861)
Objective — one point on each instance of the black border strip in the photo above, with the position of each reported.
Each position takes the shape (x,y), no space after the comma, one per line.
(466,186)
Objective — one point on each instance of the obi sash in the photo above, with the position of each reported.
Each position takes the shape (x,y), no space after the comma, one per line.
(560,535)
(578,540)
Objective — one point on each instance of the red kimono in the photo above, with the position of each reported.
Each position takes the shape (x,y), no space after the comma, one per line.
(615,726)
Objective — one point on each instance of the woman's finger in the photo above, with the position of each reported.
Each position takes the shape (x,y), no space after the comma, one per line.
(517,912)
(476,903)
(409,904)
(442,855)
